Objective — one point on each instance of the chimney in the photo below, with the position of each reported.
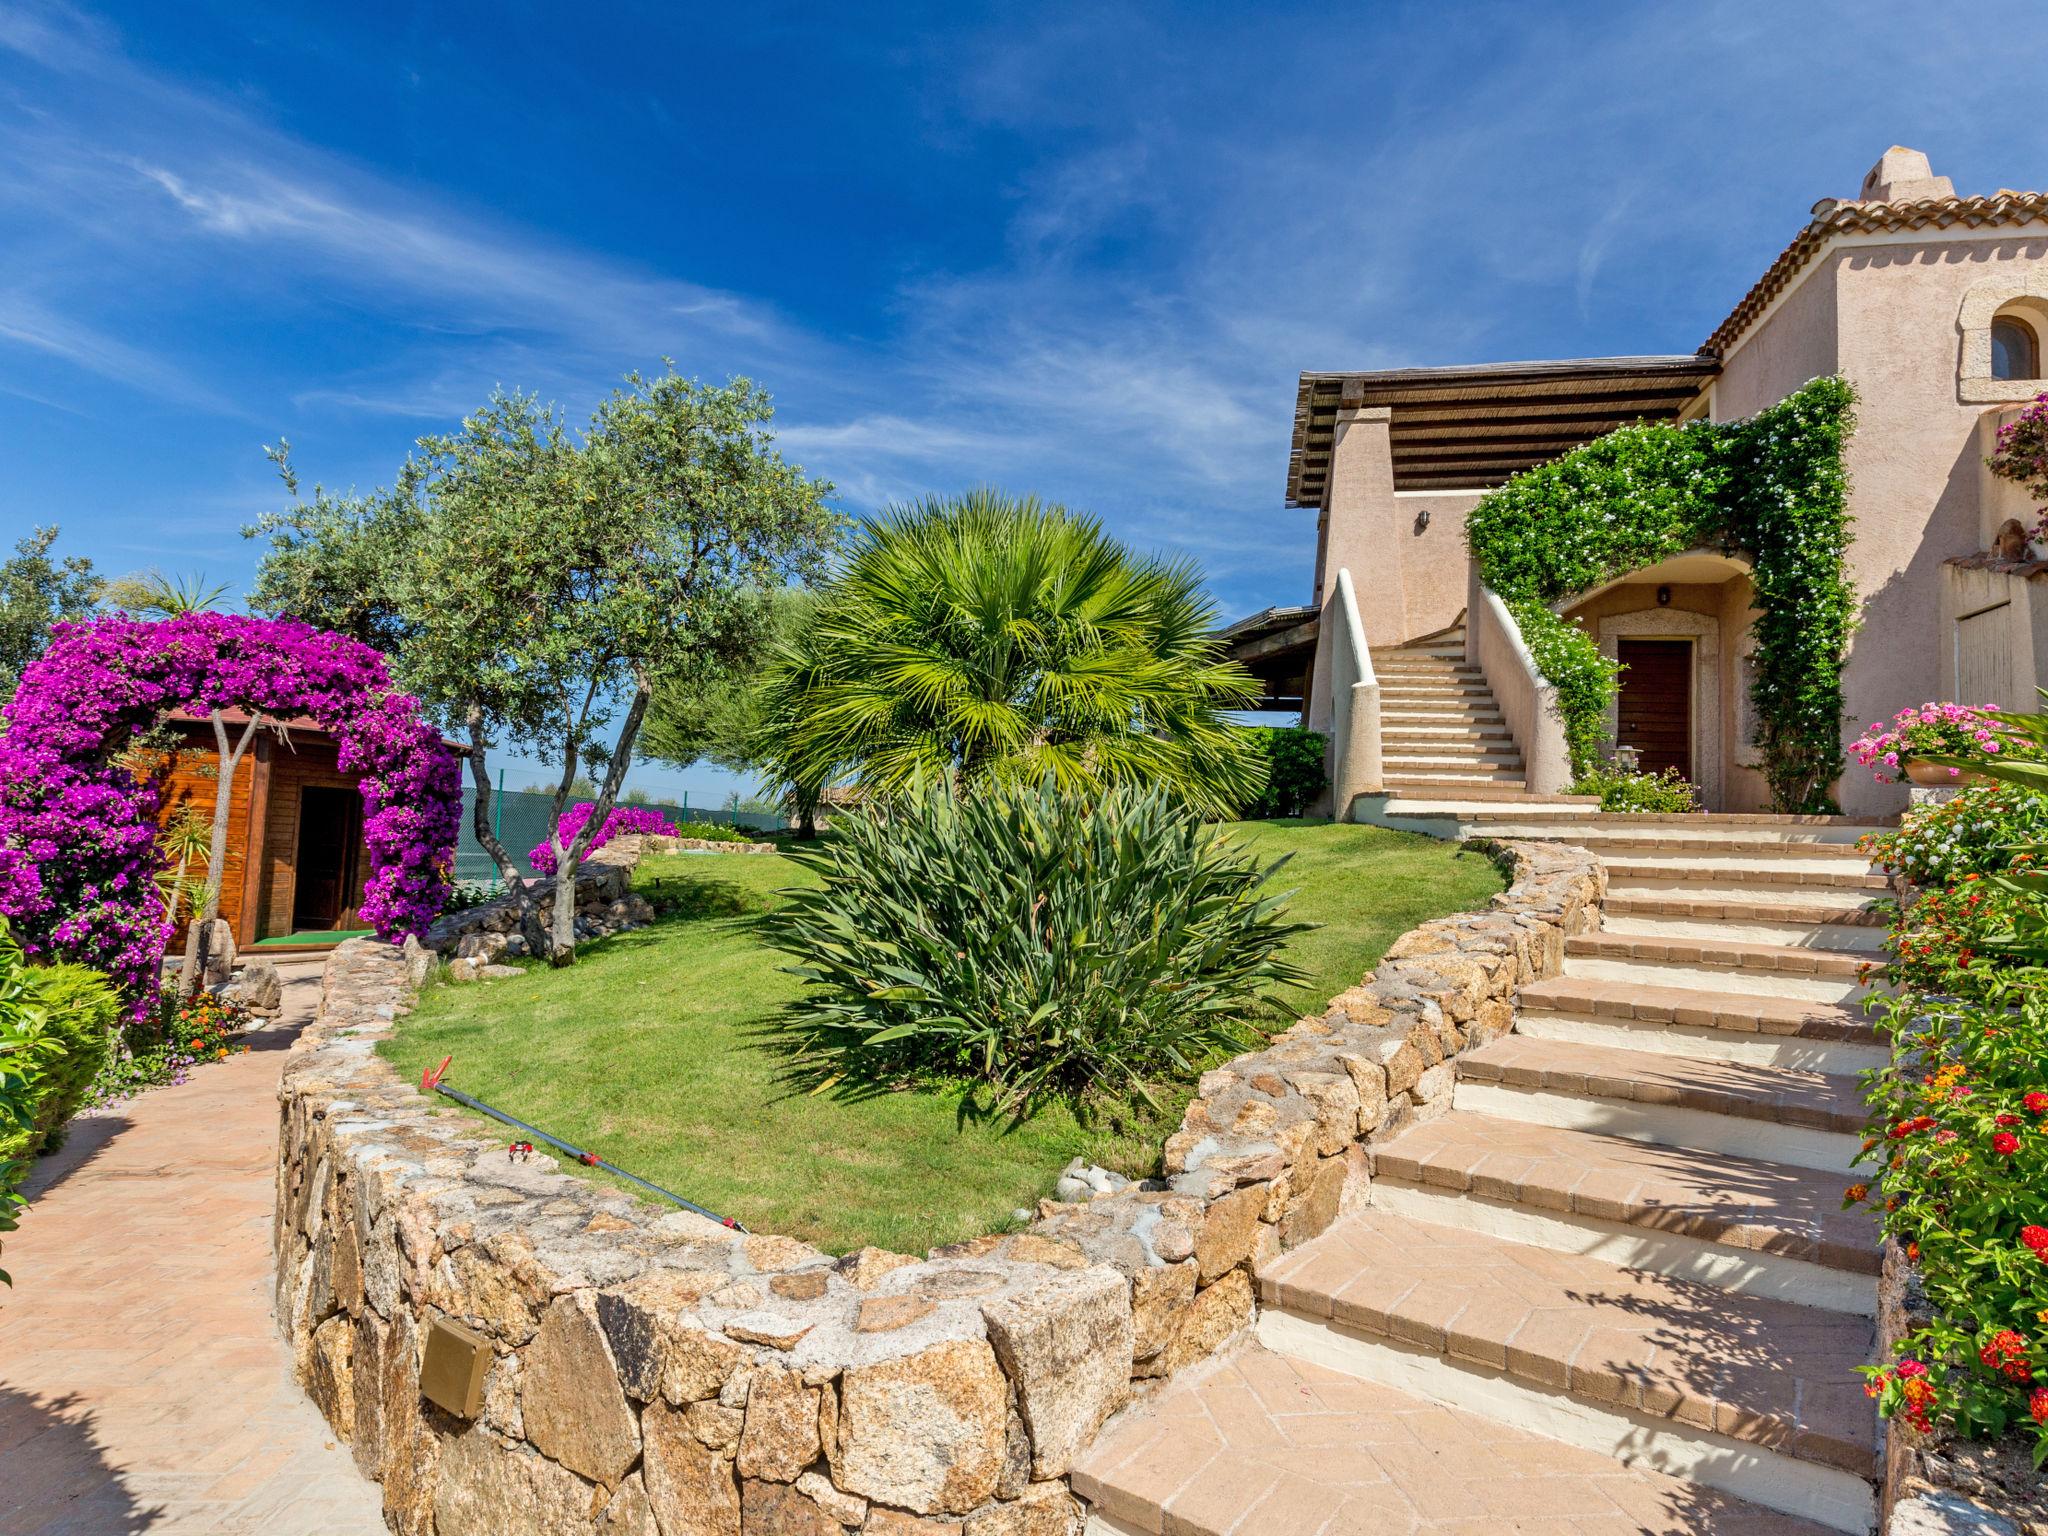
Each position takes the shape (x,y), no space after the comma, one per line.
(1903,176)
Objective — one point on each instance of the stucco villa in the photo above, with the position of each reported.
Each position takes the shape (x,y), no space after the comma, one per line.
(1933,305)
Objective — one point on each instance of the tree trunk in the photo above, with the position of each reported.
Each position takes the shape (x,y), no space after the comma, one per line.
(198,939)
(568,860)
(531,926)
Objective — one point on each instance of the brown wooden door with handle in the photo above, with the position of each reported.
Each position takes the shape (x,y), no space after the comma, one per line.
(1655,713)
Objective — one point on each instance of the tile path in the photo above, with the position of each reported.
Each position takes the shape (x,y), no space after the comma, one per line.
(143,1385)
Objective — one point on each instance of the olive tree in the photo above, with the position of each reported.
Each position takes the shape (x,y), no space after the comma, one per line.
(534,585)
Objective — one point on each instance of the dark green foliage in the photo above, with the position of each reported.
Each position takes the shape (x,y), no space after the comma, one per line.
(1296,771)
(1041,942)
(1769,487)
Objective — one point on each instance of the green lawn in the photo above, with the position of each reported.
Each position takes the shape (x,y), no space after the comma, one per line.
(649,1051)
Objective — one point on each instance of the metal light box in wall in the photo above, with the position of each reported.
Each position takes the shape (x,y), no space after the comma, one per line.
(452,1371)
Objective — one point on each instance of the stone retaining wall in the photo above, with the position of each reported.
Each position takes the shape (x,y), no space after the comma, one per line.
(654,1373)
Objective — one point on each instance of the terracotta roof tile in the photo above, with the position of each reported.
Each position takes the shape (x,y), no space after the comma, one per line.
(1833,218)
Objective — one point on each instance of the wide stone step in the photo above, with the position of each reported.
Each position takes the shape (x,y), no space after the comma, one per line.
(1258,1444)
(1754,1395)
(1722,965)
(1652,844)
(1432,734)
(1747,1028)
(1746,1207)
(1434,781)
(1786,829)
(1451,751)
(1457,764)
(1852,930)
(1809,1119)
(1706,902)
(1758,879)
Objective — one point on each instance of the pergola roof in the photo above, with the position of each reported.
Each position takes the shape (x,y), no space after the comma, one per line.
(1474,426)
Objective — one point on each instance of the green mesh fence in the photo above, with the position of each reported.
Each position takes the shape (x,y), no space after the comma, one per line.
(521,817)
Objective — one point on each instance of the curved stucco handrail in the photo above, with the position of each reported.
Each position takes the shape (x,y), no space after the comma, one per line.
(1528,702)
(1355,756)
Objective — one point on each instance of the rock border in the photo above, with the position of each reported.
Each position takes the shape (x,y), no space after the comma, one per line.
(656,1374)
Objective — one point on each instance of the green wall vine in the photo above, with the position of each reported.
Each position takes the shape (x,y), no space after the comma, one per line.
(1770,488)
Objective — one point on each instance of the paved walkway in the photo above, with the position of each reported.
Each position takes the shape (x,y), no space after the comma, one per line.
(143,1385)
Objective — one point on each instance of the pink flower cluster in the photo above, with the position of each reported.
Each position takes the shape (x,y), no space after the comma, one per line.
(623,819)
(1922,730)
(78,830)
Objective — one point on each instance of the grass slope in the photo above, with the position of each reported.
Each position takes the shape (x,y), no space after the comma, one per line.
(649,1052)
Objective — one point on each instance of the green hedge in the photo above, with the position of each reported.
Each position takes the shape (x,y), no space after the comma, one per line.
(81,1011)
(1295,771)
(1769,487)
(54,1027)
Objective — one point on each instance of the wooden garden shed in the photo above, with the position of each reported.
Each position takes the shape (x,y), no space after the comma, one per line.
(296,860)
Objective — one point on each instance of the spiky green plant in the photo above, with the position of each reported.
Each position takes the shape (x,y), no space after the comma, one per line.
(983,638)
(1033,940)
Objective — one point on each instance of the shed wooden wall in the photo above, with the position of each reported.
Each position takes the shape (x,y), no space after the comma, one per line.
(266,795)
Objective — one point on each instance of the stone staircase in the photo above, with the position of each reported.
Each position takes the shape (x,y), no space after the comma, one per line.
(1440,729)
(1612,1289)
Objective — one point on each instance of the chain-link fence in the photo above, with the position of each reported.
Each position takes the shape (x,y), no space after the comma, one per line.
(520,818)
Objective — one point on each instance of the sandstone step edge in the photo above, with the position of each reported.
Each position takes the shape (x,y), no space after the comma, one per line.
(1838,1499)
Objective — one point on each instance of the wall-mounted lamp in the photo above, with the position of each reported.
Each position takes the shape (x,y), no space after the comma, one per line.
(1663,597)
(1422,520)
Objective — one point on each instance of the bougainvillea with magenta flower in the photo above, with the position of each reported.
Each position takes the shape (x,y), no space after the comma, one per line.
(623,819)
(78,828)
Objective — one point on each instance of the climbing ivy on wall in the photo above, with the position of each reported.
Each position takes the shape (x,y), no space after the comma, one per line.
(1769,487)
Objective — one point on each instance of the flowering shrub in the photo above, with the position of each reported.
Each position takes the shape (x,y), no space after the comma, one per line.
(1668,793)
(78,852)
(2021,455)
(1972,833)
(1959,1133)
(623,819)
(163,1047)
(1944,943)
(1924,730)
(1771,487)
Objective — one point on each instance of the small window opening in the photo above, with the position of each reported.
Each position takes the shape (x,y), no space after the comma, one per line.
(2015,354)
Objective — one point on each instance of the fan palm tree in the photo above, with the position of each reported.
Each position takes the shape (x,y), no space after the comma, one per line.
(983,637)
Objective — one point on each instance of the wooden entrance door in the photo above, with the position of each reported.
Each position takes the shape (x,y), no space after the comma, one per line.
(1656,703)
(330,835)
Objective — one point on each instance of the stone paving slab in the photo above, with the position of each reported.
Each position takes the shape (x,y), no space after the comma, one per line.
(1256,1444)
(1738,1202)
(143,1385)
(1768,1372)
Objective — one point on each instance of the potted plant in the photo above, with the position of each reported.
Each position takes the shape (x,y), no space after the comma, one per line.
(1895,749)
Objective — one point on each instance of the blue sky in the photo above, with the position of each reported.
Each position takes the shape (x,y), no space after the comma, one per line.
(1076,249)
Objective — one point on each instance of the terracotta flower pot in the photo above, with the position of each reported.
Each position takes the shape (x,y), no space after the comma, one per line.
(1934,776)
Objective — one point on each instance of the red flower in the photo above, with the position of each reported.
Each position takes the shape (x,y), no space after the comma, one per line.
(2036,1238)
(2037,1405)
(2005,1143)
(2036,1102)
(2005,1119)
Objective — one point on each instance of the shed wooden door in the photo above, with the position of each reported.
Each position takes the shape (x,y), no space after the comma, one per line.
(330,830)
(1656,703)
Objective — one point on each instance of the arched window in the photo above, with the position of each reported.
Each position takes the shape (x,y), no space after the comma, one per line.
(2015,353)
